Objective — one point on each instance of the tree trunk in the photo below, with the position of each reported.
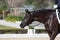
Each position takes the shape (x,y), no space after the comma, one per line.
(3,14)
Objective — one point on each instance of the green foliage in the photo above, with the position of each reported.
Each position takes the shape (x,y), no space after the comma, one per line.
(30,27)
(38,31)
(12,18)
(1,17)
(10,30)
(29,2)
(40,3)
(3,5)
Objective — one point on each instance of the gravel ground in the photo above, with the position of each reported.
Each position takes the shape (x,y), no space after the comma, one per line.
(20,37)
(35,38)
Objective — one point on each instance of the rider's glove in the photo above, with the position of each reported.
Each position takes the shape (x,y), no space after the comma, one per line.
(55,6)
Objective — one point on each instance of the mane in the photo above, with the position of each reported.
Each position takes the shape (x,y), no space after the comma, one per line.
(44,10)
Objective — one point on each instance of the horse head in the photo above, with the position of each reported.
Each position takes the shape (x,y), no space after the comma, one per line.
(28,19)
(36,15)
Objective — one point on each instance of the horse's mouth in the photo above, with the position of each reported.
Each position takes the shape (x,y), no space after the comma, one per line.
(22,26)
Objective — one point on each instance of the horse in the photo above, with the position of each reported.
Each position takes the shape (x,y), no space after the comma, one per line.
(47,17)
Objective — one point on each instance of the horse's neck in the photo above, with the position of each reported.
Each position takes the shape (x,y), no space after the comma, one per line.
(42,15)
(45,17)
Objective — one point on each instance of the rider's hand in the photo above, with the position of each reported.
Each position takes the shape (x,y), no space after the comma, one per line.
(55,6)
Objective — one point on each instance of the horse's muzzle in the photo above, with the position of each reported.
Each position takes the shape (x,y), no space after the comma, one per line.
(22,26)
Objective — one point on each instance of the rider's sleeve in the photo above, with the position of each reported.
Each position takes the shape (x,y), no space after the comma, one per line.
(56,1)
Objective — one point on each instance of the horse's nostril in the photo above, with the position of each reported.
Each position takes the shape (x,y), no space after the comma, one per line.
(22,26)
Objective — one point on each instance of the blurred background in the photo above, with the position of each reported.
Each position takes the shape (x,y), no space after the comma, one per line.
(13,11)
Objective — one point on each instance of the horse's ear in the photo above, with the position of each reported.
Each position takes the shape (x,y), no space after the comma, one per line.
(26,10)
